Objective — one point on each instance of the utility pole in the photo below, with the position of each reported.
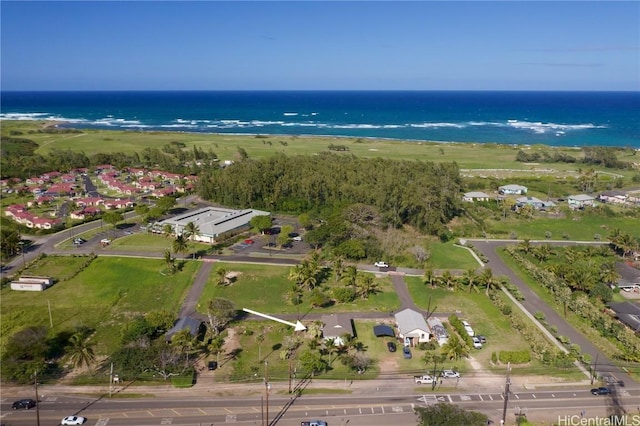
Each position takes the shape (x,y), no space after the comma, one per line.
(266,389)
(111,380)
(506,394)
(35,375)
(593,369)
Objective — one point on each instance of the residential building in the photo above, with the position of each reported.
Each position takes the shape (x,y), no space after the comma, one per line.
(412,327)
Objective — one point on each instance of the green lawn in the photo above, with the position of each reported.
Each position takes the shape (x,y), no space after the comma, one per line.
(263,288)
(101,296)
(450,256)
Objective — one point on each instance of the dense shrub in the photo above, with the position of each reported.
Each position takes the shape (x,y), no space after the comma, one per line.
(515,357)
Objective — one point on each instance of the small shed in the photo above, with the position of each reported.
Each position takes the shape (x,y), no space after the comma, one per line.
(382,330)
(31,283)
(438,331)
(194,326)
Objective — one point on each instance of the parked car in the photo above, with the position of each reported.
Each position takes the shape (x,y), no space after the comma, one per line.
(391,346)
(600,391)
(476,343)
(248,241)
(450,374)
(297,238)
(212,365)
(482,338)
(23,403)
(73,420)
(468,329)
(381,264)
(423,380)
(406,352)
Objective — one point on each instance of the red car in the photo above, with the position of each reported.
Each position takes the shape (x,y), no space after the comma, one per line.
(248,241)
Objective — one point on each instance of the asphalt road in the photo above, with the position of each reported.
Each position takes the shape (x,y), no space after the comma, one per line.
(357,409)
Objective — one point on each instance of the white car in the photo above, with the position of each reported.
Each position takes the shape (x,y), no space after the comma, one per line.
(381,264)
(450,374)
(476,343)
(73,420)
(468,329)
(297,238)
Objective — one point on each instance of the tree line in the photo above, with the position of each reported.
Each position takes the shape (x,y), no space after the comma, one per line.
(425,195)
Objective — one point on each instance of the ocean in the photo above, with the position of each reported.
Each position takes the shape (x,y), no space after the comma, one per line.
(553,118)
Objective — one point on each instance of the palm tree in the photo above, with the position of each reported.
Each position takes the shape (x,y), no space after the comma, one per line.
(167,230)
(366,286)
(351,275)
(487,280)
(191,231)
(429,277)
(308,278)
(447,279)
(180,244)
(471,279)
(80,351)
(455,348)
(338,267)
(221,273)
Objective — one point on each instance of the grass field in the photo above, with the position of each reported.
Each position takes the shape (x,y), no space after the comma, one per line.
(263,288)
(101,297)
(468,156)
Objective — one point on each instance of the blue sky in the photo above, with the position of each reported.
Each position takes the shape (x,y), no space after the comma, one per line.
(306,45)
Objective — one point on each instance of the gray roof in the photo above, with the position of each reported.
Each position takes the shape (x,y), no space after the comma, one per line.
(581,197)
(476,194)
(335,325)
(410,320)
(513,187)
(213,221)
(437,327)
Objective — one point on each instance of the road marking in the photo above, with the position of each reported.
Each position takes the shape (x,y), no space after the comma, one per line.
(533,395)
(345,411)
(465,398)
(360,409)
(481,399)
(175,411)
(372,412)
(516,395)
(103,421)
(396,409)
(227,410)
(491,397)
(553,395)
(449,396)
(230,418)
(166,421)
(50,398)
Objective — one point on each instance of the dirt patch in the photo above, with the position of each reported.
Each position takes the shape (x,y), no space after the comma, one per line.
(388,365)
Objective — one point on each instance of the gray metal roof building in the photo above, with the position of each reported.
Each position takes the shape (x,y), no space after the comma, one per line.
(212,222)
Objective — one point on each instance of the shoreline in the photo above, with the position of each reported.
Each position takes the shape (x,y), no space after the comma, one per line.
(373,139)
